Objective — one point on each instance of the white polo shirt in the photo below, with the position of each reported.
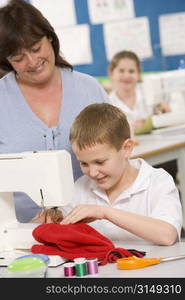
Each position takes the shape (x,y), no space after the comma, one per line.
(139,111)
(153,194)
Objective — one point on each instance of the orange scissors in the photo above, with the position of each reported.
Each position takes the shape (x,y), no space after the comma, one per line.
(134,262)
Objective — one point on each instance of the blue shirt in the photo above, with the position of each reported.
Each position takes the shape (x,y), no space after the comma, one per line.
(22,130)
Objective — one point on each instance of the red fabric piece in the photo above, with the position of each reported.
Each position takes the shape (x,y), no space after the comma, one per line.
(116,253)
(77,240)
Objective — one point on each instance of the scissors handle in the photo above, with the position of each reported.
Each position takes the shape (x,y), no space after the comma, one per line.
(136,263)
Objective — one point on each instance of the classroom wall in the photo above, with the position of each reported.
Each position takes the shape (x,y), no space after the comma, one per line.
(150,8)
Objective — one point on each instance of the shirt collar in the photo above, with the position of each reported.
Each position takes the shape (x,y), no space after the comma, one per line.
(140,184)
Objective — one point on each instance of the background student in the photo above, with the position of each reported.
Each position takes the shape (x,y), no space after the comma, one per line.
(41,94)
(127,94)
(123,199)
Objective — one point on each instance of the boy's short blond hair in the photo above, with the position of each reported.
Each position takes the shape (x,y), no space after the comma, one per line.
(100,123)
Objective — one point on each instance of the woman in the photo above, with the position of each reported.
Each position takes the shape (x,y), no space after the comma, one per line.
(41,94)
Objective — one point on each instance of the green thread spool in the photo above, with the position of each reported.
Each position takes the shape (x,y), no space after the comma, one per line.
(80,266)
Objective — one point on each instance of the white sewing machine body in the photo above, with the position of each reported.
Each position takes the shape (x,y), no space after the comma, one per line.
(162,86)
(169,87)
(45,176)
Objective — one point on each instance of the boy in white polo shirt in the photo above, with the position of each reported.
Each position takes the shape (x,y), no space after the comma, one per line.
(124,199)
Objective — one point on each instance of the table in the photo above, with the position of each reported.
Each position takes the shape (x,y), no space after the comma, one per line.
(167,277)
(172,269)
(160,148)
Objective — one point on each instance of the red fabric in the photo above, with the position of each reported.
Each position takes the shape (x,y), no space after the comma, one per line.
(77,240)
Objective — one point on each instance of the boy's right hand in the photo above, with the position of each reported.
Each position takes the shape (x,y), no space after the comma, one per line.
(51,215)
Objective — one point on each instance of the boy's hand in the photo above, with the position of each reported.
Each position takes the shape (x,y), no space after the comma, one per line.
(84,213)
(51,215)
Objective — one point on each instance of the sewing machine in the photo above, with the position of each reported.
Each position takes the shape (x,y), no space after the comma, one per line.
(166,86)
(46,177)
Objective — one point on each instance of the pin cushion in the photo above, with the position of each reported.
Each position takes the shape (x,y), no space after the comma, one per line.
(27,267)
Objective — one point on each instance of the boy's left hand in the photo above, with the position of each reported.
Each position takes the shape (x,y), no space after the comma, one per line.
(84,213)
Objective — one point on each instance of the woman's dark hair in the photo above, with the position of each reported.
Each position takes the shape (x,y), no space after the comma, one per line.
(21,26)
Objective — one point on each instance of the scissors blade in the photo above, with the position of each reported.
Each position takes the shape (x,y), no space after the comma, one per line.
(172,258)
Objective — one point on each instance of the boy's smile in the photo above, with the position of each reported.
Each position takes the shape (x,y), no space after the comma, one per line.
(105,165)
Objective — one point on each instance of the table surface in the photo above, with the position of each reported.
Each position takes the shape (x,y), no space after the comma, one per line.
(170,269)
(166,269)
(151,144)
(164,147)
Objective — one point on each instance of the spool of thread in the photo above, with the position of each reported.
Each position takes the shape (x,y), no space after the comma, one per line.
(80,265)
(92,266)
(69,269)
